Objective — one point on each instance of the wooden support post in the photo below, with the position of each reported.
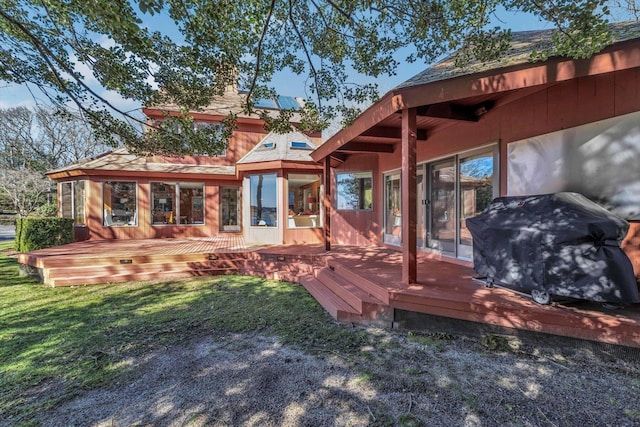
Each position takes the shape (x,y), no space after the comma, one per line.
(327,203)
(408,210)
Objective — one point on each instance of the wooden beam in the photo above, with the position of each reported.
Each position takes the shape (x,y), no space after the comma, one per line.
(327,203)
(366,147)
(388,132)
(337,159)
(451,111)
(408,206)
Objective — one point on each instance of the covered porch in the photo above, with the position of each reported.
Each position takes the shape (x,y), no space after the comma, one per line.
(354,284)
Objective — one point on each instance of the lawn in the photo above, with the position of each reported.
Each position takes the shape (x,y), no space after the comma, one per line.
(79,336)
(236,350)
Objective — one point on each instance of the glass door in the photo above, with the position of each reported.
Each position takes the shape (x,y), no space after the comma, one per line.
(476,192)
(442,215)
(392,212)
(421,208)
(230,209)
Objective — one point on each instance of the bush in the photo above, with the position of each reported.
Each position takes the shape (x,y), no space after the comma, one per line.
(46,211)
(39,233)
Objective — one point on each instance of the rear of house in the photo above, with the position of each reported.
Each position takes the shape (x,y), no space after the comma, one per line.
(438,148)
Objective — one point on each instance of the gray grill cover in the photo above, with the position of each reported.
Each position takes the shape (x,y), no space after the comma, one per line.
(561,243)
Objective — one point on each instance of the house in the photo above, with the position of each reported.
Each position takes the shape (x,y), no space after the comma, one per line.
(264,187)
(437,148)
(406,174)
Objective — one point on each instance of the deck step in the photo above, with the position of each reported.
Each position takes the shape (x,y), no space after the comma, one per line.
(127,277)
(117,269)
(332,303)
(370,287)
(355,296)
(77,260)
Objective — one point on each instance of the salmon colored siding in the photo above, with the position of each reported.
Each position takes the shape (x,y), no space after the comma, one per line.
(544,110)
(359,227)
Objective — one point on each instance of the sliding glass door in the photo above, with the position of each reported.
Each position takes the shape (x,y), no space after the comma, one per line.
(448,191)
(442,213)
(458,188)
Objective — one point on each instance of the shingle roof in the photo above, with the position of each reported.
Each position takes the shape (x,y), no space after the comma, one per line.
(523,43)
(229,103)
(281,150)
(121,160)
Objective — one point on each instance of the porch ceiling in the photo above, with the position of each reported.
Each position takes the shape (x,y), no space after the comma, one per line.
(384,136)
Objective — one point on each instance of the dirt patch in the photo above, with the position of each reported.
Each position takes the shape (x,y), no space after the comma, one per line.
(405,380)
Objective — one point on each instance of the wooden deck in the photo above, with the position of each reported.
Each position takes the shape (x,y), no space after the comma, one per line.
(354,284)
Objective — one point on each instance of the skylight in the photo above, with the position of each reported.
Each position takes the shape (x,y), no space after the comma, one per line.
(265,103)
(278,103)
(269,145)
(298,145)
(288,103)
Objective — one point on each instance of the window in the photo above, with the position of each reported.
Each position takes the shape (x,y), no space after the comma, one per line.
(267,146)
(189,208)
(264,202)
(354,191)
(230,209)
(163,203)
(191,203)
(300,145)
(72,201)
(78,203)
(215,128)
(120,204)
(66,200)
(304,201)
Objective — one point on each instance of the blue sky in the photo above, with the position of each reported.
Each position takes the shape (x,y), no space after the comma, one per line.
(286,83)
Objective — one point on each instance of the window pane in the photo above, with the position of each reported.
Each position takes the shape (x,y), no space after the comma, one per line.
(354,190)
(230,209)
(78,203)
(304,201)
(162,203)
(191,203)
(264,210)
(66,205)
(119,203)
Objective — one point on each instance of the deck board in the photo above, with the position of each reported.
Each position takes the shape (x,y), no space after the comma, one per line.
(442,288)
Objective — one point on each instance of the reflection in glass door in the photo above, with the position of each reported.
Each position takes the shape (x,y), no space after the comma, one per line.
(392,212)
(421,224)
(442,224)
(476,192)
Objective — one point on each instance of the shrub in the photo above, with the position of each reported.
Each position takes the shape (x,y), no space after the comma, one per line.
(38,233)
(47,211)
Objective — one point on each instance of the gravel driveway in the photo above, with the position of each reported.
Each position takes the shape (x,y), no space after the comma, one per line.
(252,380)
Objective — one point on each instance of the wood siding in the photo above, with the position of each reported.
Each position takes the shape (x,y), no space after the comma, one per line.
(550,108)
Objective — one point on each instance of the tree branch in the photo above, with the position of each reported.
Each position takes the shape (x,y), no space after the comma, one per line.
(307,54)
(265,28)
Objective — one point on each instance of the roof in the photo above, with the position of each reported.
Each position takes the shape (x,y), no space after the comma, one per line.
(523,44)
(279,147)
(121,160)
(231,103)
(444,93)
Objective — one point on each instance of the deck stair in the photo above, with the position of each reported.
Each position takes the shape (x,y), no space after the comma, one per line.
(347,296)
(287,267)
(63,271)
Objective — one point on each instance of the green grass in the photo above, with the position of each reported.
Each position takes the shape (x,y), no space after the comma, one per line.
(74,339)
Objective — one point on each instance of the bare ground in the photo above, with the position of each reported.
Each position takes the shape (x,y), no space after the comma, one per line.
(434,380)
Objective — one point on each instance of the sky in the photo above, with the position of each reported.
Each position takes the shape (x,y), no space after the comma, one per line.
(285,83)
